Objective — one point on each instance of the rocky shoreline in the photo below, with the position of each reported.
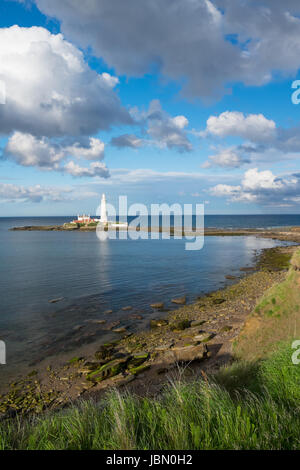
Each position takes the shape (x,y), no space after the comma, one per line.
(199,337)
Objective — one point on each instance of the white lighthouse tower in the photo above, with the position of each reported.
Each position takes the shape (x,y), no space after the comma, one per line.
(103,210)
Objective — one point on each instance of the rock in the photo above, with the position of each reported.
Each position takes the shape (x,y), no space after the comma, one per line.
(195,323)
(179,300)
(138,359)
(218,301)
(108,370)
(165,346)
(112,325)
(99,322)
(158,305)
(135,317)
(230,277)
(78,327)
(158,323)
(105,352)
(140,369)
(247,269)
(54,301)
(107,312)
(203,337)
(125,309)
(184,354)
(120,330)
(180,325)
(225,329)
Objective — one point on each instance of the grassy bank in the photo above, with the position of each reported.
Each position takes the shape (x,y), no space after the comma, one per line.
(246,406)
(251,404)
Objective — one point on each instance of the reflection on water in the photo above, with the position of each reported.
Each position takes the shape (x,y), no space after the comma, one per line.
(93,277)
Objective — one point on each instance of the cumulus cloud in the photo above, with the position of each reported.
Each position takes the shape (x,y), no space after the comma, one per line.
(127,140)
(93,151)
(50,90)
(263,139)
(95,169)
(204,44)
(254,127)
(28,150)
(226,158)
(164,130)
(262,187)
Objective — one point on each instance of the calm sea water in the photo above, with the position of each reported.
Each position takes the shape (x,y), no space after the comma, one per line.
(92,276)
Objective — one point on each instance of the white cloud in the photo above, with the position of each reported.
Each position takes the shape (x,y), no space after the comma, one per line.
(94,151)
(166,131)
(50,90)
(163,130)
(95,169)
(205,45)
(27,150)
(254,127)
(262,187)
(226,158)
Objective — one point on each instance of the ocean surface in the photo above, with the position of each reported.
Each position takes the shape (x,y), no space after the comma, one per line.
(91,277)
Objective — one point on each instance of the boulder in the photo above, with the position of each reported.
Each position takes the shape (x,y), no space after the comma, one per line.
(125,309)
(139,369)
(180,325)
(203,337)
(105,352)
(195,323)
(165,346)
(108,370)
(138,359)
(158,305)
(187,354)
(158,323)
(179,300)
(120,330)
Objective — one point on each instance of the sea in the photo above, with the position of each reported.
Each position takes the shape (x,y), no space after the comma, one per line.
(92,280)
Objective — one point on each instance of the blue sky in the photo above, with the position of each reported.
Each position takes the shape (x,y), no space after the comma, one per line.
(157,103)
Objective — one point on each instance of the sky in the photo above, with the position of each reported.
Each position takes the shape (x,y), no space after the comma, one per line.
(164,101)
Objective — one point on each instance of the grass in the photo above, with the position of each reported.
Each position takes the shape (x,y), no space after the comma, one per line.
(245,406)
(275,319)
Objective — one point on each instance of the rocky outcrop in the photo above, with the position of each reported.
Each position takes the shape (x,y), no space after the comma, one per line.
(179,300)
(187,354)
(158,323)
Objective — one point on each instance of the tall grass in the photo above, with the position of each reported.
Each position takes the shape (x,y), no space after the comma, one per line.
(245,406)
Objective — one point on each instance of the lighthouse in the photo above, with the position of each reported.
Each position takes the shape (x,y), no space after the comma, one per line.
(103,210)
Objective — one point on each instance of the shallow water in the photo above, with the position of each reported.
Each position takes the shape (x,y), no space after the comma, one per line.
(92,277)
